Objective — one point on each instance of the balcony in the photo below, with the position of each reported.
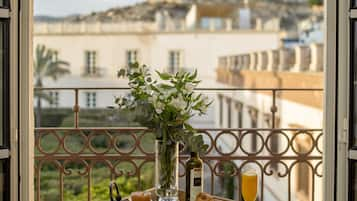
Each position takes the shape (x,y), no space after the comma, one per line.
(288,160)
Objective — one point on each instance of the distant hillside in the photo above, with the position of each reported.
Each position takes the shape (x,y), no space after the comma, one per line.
(289,12)
(44,18)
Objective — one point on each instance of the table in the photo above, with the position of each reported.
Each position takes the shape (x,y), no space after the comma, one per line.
(182,196)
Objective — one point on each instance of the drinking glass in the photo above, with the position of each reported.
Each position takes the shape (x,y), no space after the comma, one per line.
(249,184)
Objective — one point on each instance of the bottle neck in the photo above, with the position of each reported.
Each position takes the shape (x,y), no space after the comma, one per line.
(194,155)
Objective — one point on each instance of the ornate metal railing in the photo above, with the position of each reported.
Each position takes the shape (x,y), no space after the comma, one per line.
(70,161)
(228,147)
(299,95)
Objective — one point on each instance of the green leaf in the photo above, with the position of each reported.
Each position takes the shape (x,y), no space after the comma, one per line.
(121,73)
(164,76)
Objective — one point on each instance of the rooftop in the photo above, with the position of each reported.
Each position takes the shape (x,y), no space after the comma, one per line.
(288,14)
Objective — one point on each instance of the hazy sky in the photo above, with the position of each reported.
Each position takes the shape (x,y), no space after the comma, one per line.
(67,7)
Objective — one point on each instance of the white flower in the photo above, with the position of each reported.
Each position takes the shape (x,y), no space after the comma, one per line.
(190,87)
(159,107)
(171,91)
(207,100)
(162,97)
(204,109)
(178,103)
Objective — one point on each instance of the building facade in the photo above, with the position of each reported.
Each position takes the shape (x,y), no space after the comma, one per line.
(290,69)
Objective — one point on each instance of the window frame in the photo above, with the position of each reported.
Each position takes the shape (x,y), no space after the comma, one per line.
(91,99)
(229,112)
(54,99)
(91,62)
(25,113)
(175,66)
(239,107)
(24,190)
(9,94)
(6,88)
(128,56)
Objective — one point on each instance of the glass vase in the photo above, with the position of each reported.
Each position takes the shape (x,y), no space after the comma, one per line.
(166,170)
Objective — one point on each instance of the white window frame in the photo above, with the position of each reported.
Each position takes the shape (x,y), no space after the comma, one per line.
(90,62)
(91,99)
(55,55)
(177,65)
(335,179)
(54,99)
(26,127)
(26,114)
(14,99)
(131,56)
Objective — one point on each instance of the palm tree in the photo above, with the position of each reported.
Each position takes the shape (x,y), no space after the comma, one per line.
(46,64)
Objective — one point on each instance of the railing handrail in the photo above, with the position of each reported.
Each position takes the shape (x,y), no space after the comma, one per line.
(274,95)
(280,163)
(197,89)
(197,129)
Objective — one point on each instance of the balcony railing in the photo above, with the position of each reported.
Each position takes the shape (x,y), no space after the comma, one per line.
(288,160)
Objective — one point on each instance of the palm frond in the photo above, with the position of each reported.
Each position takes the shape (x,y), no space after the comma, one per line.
(45,66)
(43,96)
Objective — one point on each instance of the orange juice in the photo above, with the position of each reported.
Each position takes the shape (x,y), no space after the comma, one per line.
(249,185)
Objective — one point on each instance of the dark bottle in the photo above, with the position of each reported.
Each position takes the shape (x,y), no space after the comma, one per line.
(194,177)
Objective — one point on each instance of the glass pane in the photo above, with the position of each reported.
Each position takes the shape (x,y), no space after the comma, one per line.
(4,3)
(3,80)
(353,181)
(354,87)
(4,180)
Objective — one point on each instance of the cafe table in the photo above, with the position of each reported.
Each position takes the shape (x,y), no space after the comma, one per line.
(182,196)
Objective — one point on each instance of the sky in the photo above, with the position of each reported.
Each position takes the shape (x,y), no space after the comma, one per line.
(69,7)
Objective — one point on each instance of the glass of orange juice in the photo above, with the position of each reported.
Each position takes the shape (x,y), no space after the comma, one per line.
(249,184)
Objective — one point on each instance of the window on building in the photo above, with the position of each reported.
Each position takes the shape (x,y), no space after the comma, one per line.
(229,113)
(239,108)
(90,62)
(274,141)
(91,99)
(131,56)
(54,98)
(175,61)
(214,23)
(304,173)
(254,124)
(220,101)
(54,55)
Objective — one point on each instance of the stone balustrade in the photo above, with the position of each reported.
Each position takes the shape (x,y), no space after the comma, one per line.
(317,59)
(253,61)
(95,27)
(286,59)
(262,63)
(302,59)
(297,59)
(273,60)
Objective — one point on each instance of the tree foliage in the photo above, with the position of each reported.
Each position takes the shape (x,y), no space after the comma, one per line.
(316,2)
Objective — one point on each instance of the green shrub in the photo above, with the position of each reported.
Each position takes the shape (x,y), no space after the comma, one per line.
(316,2)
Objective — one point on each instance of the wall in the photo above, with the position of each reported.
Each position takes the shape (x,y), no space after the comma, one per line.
(200,49)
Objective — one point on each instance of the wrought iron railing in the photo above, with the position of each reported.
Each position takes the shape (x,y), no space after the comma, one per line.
(281,156)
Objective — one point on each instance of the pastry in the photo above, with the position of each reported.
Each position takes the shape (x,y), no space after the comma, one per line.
(204,197)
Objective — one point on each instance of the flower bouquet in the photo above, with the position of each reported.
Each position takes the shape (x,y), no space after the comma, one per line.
(165,103)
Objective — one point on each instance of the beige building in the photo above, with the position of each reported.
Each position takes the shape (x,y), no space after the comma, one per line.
(289,69)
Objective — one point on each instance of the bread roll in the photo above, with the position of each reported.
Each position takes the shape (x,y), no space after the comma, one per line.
(204,197)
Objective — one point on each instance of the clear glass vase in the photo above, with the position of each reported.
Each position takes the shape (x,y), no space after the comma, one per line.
(166,170)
